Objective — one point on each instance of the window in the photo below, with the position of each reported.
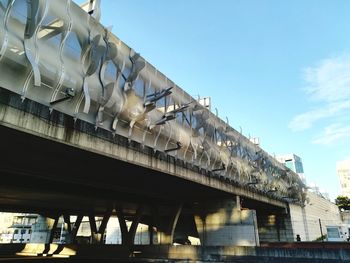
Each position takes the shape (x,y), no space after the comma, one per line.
(289,164)
(16,231)
(333,232)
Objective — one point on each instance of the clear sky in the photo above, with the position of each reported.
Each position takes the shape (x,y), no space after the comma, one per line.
(278,69)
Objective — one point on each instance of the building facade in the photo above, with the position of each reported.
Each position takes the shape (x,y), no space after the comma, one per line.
(343,171)
(310,221)
(294,163)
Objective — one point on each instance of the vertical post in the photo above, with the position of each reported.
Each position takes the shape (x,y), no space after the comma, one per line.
(238,202)
(319,221)
(306,227)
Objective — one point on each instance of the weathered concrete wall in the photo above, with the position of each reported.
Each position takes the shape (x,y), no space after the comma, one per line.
(221,223)
(305,220)
(275,227)
(299,222)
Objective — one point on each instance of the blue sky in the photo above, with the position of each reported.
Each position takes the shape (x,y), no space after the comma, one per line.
(278,69)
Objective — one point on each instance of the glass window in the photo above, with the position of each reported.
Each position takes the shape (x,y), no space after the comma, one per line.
(333,232)
(289,164)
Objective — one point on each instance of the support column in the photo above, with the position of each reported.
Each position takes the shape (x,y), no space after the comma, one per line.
(66,219)
(128,236)
(53,229)
(168,223)
(221,223)
(98,232)
(75,228)
(93,228)
(104,223)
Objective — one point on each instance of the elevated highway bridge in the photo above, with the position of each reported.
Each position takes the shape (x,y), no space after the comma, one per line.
(89,127)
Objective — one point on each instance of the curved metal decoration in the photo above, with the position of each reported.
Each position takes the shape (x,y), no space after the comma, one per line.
(66,28)
(6,18)
(104,82)
(37,11)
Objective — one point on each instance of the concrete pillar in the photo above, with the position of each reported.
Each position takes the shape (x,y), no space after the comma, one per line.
(97,233)
(168,225)
(75,228)
(103,226)
(128,236)
(221,223)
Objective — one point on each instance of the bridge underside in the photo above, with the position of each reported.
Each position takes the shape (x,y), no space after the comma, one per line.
(43,175)
(54,166)
(50,161)
(38,174)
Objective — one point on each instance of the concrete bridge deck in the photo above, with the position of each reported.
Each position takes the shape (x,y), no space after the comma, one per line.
(52,153)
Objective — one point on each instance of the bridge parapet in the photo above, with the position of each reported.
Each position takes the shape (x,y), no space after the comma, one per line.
(56,54)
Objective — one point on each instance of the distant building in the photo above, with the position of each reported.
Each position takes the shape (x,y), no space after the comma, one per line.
(294,163)
(6,233)
(343,171)
(17,227)
(22,227)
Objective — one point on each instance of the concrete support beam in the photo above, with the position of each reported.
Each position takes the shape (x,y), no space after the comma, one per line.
(53,222)
(95,236)
(97,233)
(128,236)
(66,218)
(75,228)
(221,223)
(104,223)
